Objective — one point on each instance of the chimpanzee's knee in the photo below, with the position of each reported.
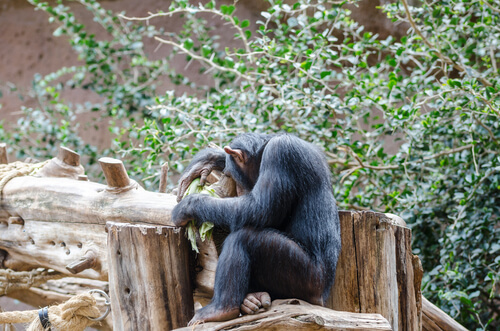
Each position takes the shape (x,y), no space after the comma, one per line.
(239,240)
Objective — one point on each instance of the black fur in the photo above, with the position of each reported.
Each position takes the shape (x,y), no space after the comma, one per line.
(285,231)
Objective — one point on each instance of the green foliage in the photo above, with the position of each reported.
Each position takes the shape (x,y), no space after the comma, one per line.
(410,125)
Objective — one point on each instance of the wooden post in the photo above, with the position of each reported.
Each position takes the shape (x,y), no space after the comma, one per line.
(115,173)
(149,277)
(68,156)
(376,272)
(163,178)
(3,154)
(87,261)
(66,164)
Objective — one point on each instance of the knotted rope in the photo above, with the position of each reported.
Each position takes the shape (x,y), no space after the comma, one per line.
(72,315)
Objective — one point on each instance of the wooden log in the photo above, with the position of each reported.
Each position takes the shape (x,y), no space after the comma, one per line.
(87,261)
(434,319)
(3,154)
(149,277)
(83,178)
(68,156)
(55,245)
(296,314)
(51,222)
(69,201)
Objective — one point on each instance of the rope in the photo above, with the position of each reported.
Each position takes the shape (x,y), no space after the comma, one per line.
(72,315)
(17,169)
(11,280)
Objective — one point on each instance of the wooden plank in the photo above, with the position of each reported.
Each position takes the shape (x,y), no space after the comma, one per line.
(149,277)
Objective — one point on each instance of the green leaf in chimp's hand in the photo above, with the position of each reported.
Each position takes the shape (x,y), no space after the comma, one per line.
(205,229)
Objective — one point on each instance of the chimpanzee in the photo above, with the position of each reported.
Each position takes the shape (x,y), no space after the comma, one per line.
(284,226)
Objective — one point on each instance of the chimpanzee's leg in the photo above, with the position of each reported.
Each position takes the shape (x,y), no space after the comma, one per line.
(264,259)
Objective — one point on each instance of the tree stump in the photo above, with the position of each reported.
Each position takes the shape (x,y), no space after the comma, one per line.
(377,272)
(149,277)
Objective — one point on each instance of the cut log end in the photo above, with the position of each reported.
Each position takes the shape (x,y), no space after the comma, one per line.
(68,156)
(3,154)
(115,173)
(87,261)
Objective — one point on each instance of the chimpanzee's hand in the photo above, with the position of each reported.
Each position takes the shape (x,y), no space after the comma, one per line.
(201,170)
(202,165)
(183,212)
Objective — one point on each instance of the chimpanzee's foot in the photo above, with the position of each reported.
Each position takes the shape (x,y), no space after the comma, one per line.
(211,314)
(254,301)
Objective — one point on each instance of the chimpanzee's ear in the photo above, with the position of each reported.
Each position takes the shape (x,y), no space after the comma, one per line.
(238,154)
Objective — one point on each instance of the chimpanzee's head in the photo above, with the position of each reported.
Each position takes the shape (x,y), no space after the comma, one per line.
(243,160)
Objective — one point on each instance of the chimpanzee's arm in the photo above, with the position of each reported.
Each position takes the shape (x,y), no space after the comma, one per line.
(202,164)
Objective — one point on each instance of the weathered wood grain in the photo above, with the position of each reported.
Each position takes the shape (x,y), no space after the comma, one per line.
(55,245)
(66,200)
(434,319)
(345,293)
(375,272)
(299,315)
(149,277)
